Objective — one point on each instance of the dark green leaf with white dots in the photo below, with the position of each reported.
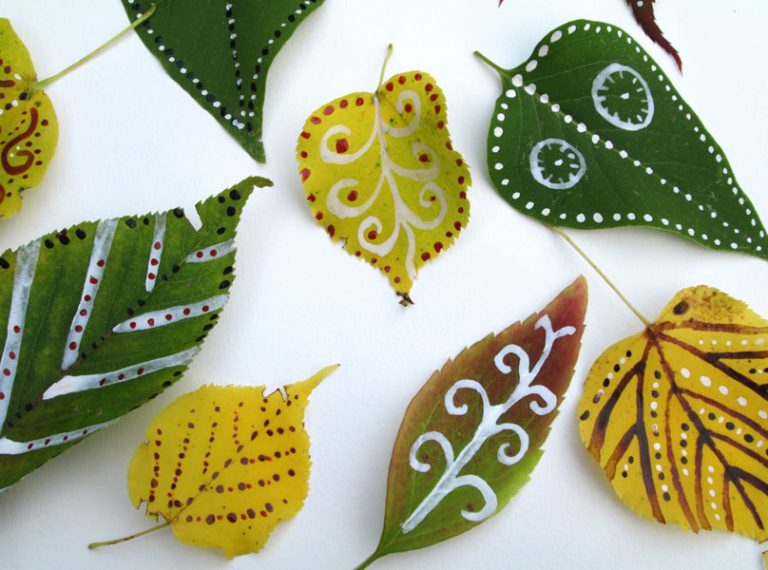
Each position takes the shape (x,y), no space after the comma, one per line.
(220,52)
(590,133)
(101,317)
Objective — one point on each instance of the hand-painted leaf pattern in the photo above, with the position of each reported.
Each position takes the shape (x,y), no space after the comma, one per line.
(382,177)
(474,433)
(100,317)
(224,464)
(220,53)
(643,11)
(677,415)
(590,133)
(28,127)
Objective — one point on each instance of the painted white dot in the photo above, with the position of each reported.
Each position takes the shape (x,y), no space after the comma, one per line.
(498,166)
(685,373)
(498,131)
(533,64)
(529,205)
(763,414)
(597,217)
(511,93)
(500,117)
(617,217)
(723,390)
(517,80)
(505,182)
(581,218)
(648,218)
(706,381)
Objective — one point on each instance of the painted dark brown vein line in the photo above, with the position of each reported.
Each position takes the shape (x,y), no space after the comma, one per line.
(743,449)
(619,451)
(697,472)
(713,327)
(730,411)
(642,438)
(673,466)
(727,502)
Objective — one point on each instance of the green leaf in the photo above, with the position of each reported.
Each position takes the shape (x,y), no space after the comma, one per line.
(220,53)
(101,317)
(473,434)
(590,133)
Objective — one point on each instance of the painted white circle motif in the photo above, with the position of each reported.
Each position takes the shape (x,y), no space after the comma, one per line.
(622,97)
(557,164)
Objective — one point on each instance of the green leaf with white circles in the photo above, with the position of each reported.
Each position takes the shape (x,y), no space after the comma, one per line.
(590,133)
(220,53)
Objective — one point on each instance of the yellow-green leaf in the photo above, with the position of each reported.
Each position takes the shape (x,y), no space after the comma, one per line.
(224,464)
(382,177)
(28,127)
(677,416)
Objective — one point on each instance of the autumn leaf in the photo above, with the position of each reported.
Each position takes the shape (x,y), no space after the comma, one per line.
(101,317)
(474,433)
(643,10)
(220,53)
(382,177)
(28,127)
(590,133)
(224,464)
(677,416)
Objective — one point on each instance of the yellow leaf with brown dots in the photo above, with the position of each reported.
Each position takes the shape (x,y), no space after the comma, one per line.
(28,128)
(677,416)
(382,177)
(224,464)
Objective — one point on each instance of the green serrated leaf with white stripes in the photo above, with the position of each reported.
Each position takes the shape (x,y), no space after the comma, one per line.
(99,318)
(590,133)
(220,53)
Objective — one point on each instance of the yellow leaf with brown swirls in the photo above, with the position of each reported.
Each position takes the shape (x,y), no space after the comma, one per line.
(28,127)
(382,177)
(677,416)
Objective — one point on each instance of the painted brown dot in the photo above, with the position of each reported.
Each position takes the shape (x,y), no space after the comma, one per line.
(210,519)
(681,308)
(584,416)
(232,517)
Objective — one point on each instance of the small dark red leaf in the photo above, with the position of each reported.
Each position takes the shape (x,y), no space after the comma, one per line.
(643,11)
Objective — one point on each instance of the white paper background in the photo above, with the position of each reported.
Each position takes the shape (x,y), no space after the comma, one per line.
(133,141)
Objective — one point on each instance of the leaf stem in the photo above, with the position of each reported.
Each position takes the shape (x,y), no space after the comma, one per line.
(40,85)
(95,545)
(489,63)
(384,66)
(368,561)
(599,271)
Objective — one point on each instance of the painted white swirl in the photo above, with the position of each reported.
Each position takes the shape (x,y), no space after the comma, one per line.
(404,217)
(489,426)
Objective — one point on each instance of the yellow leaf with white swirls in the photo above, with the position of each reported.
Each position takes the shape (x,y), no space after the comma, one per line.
(382,177)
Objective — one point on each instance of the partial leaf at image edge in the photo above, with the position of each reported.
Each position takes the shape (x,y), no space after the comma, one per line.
(382,177)
(590,133)
(29,129)
(473,435)
(677,416)
(101,317)
(223,465)
(220,54)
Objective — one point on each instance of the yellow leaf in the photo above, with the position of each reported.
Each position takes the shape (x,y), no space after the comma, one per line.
(677,416)
(224,464)
(28,127)
(382,177)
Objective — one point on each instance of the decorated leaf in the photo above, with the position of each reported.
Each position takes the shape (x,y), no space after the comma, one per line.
(101,317)
(590,133)
(220,53)
(224,464)
(677,416)
(382,177)
(473,434)
(28,127)
(643,11)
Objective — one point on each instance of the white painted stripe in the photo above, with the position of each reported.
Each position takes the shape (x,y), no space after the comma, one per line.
(23,277)
(211,253)
(72,384)
(155,252)
(11,447)
(102,243)
(155,319)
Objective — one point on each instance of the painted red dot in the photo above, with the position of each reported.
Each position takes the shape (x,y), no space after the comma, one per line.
(461,181)
(359,101)
(87,298)
(2,395)
(328,110)
(425,256)
(199,254)
(331,231)
(132,324)
(417,77)
(440,124)
(316,120)
(423,157)
(448,145)
(304,154)
(151,276)
(79,328)
(459,162)
(352,196)
(169,317)
(438,108)
(121,377)
(72,345)
(408,107)
(372,235)
(305,172)
(358,253)
(100,263)
(396,280)
(438,246)
(463,195)
(342,146)
(6,371)
(387,268)
(187,311)
(93,280)
(102,381)
(457,225)
(157,245)
(311,198)
(154,262)
(140,371)
(461,210)
(12,355)
(401,80)
(83,312)
(151,322)
(319,216)
(305,134)
(428,87)
(343,103)
(16,329)
(389,86)
(206,308)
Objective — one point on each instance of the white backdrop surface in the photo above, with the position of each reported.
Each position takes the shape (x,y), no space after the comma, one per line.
(133,141)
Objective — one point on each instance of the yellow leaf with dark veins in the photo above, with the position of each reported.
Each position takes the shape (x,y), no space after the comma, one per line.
(382,177)
(677,416)
(28,127)
(224,464)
